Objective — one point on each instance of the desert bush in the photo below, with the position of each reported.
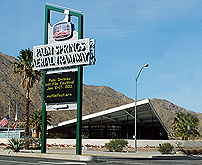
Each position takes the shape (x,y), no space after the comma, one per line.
(31,142)
(165,148)
(179,145)
(116,145)
(85,135)
(15,144)
(56,135)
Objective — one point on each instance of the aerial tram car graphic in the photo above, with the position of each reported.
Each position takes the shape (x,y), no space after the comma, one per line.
(62,30)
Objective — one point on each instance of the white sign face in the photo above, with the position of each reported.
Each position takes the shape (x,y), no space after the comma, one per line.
(61,106)
(65,54)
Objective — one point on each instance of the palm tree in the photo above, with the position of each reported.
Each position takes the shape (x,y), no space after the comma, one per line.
(36,122)
(181,123)
(29,76)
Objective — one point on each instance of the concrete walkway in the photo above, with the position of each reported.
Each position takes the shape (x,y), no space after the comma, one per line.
(90,155)
(105,153)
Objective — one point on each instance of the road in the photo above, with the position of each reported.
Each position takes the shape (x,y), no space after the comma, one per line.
(13,160)
(148,161)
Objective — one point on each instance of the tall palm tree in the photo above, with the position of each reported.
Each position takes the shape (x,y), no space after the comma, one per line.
(181,123)
(36,122)
(29,76)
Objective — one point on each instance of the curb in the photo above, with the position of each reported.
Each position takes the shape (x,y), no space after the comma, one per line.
(51,156)
(121,155)
(178,157)
(93,156)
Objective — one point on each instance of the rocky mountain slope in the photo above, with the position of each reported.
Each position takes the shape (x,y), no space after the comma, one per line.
(11,90)
(95,98)
(167,111)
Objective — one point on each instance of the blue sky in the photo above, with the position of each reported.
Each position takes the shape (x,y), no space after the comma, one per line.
(129,33)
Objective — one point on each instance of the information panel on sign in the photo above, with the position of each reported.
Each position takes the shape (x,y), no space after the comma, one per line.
(60,87)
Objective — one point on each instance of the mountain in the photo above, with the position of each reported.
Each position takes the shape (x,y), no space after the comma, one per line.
(95,99)
(11,90)
(167,111)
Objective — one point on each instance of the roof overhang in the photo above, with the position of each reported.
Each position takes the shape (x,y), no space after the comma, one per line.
(146,116)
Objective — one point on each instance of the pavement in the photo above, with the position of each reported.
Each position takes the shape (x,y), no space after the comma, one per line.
(92,155)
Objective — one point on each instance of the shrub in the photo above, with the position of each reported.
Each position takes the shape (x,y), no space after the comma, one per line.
(62,145)
(49,145)
(110,146)
(116,145)
(56,135)
(165,148)
(179,145)
(85,135)
(31,142)
(15,144)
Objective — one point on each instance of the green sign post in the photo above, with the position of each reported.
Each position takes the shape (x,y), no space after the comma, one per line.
(79,83)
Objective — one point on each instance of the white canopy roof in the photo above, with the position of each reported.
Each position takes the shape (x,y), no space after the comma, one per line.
(146,116)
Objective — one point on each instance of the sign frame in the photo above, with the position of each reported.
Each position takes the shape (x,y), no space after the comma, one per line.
(79,81)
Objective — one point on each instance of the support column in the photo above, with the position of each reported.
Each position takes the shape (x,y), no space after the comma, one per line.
(79,89)
(101,128)
(44,113)
(44,119)
(79,110)
(127,127)
(152,128)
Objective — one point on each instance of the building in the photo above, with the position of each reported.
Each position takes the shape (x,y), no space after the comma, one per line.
(17,133)
(117,122)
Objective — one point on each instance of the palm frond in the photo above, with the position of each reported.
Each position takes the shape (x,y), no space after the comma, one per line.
(182,121)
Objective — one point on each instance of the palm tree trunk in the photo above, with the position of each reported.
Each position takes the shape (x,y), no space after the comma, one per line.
(37,133)
(27,114)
